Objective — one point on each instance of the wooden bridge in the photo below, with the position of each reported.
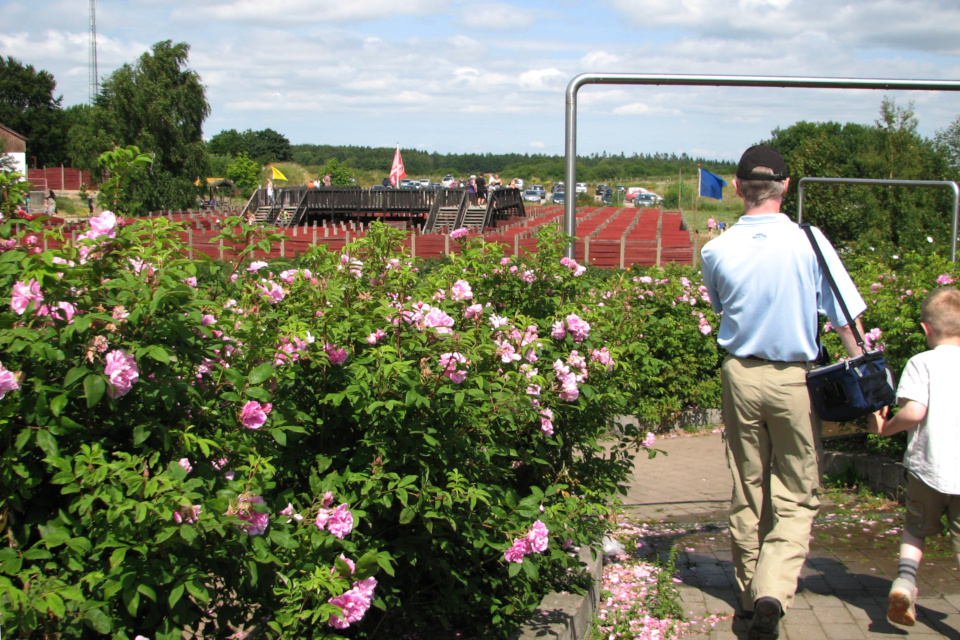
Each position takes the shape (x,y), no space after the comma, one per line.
(425,209)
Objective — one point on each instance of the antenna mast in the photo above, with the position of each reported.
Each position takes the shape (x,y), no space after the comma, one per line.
(94,76)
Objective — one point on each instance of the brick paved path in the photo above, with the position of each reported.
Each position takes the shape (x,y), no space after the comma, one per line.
(843,587)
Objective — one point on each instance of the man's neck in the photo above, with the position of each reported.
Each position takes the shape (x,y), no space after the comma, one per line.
(768,207)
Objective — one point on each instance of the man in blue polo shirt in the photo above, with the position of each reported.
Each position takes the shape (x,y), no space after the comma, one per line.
(763,276)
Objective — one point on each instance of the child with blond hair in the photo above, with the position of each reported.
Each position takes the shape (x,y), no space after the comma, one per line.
(930,410)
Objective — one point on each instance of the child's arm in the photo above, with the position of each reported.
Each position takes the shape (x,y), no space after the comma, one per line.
(910,414)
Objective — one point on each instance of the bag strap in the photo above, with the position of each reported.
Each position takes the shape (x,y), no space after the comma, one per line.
(833,285)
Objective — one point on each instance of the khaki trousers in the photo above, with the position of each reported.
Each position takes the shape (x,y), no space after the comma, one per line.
(772,435)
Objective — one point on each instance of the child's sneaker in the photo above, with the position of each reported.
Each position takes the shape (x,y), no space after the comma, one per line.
(903,598)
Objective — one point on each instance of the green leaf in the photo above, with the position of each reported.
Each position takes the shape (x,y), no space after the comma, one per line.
(514,569)
(367,565)
(175,594)
(160,354)
(73,375)
(407,515)
(23,438)
(55,605)
(280,436)
(147,590)
(530,568)
(131,599)
(283,539)
(198,591)
(58,403)
(258,394)
(94,387)
(47,443)
(97,620)
(188,532)
(140,434)
(116,558)
(260,373)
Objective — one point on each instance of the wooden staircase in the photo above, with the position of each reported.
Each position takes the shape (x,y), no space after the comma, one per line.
(447,216)
(475,217)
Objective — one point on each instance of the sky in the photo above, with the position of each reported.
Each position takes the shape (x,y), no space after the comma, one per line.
(491,77)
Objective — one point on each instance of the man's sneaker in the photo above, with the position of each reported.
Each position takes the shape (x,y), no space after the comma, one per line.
(903,599)
(766,619)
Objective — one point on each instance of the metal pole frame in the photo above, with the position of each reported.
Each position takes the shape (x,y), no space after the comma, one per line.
(900,183)
(570,173)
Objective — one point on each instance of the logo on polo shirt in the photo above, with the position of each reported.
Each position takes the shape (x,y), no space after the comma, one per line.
(760,236)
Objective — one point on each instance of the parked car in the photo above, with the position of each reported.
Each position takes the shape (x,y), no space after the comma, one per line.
(517,183)
(425,183)
(558,186)
(601,189)
(607,196)
(532,195)
(559,197)
(582,187)
(543,192)
(646,200)
(448,181)
(620,187)
(407,183)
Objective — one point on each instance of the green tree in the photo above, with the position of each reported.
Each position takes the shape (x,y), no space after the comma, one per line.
(339,173)
(159,106)
(229,143)
(268,146)
(947,142)
(245,173)
(28,106)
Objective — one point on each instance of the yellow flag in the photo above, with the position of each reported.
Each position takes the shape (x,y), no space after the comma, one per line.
(277,175)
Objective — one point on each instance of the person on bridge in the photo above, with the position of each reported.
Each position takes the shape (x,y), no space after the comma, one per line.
(763,276)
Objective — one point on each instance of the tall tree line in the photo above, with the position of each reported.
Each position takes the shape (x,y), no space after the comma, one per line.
(594,168)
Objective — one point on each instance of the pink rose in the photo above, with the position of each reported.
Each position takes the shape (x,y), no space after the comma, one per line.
(24,293)
(121,371)
(254,415)
(354,603)
(8,381)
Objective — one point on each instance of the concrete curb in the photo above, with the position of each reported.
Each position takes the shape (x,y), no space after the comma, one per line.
(567,616)
(880,474)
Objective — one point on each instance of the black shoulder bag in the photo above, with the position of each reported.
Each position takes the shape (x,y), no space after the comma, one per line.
(855,387)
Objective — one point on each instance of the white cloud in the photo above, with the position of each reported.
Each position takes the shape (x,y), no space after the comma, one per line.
(313,11)
(643,109)
(500,17)
(599,61)
(540,78)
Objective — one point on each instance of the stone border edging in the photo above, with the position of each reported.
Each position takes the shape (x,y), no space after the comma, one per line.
(567,616)
(880,474)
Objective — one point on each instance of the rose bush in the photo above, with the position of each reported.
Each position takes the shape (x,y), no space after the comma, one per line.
(343,447)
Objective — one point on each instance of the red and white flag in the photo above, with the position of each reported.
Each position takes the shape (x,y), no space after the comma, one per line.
(397,172)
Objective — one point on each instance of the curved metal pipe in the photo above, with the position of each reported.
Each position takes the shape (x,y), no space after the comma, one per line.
(902,183)
(570,172)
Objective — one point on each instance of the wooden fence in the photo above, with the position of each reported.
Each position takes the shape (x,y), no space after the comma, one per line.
(654,241)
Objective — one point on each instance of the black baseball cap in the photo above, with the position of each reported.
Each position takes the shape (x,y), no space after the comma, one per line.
(762,155)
